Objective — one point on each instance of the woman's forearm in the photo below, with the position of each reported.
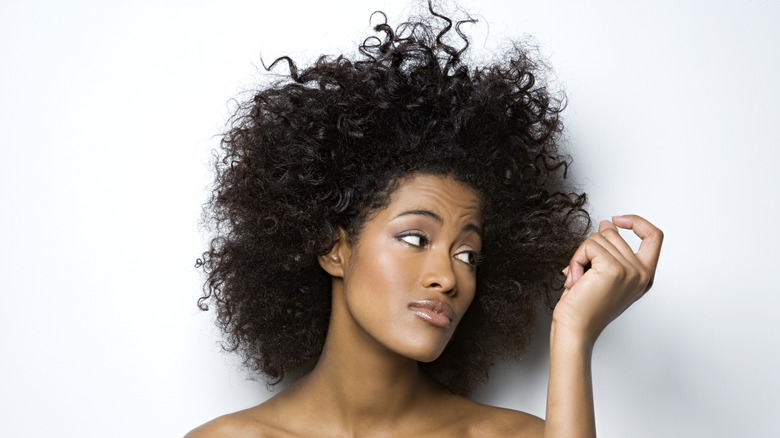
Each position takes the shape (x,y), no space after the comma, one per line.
(604,278)
(570,391)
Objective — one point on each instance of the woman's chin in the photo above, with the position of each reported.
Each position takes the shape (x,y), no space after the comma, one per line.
(428,359)
(424,352)
(424,345)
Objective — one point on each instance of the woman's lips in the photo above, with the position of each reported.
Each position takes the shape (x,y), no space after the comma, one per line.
(437,313)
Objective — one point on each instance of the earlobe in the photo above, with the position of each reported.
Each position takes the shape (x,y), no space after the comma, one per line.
(335,260)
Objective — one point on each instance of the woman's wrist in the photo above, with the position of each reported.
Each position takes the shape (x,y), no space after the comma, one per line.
(571,339)
(570,410)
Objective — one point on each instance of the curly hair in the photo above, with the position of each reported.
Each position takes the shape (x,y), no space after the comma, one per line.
(323,148)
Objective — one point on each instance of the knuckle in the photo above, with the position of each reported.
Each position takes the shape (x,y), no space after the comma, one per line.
(656,233)
(615,271)
(610,232)
(644,278)
(633,273)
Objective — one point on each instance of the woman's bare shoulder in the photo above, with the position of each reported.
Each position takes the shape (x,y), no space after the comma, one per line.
(455,416)
(249,423)
(490,421)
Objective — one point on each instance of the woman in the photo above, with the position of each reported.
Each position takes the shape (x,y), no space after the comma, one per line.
(386,228)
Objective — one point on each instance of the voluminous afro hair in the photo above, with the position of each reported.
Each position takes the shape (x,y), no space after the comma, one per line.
(320,150)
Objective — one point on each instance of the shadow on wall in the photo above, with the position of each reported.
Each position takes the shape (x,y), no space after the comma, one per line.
(522,384)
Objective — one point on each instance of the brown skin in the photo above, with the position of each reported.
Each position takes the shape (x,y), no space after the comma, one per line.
(617,278)
(419,248)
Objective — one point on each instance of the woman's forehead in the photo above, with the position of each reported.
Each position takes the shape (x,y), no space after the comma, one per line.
(441,195)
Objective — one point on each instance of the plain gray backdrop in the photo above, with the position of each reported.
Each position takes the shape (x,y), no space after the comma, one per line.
(108,111)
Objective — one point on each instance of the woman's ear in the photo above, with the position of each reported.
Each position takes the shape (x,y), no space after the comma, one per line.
(335,261)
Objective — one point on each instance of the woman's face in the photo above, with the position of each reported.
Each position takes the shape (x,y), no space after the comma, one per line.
(411,274)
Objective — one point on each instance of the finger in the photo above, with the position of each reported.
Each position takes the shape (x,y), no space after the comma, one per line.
(611,233)
(577,264)
(584,256)
(652,238)
(606,225)
(602,240)
(623,253)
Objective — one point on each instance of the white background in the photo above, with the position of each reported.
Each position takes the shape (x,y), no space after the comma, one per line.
(107,114)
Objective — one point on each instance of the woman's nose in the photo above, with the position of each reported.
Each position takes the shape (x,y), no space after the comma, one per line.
(438,273)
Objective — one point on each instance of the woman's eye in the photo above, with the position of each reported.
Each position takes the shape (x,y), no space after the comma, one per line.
(469,257)
(414,239)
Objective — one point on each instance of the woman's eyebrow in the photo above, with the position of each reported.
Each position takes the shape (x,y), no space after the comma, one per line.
(426,213)
(439,220)
(474,228)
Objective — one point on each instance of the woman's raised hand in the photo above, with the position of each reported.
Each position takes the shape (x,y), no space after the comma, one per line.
(605,276)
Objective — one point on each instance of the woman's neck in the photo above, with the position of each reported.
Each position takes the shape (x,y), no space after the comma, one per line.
(359,384)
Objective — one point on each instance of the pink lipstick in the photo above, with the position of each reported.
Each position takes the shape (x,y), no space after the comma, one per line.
(437,313)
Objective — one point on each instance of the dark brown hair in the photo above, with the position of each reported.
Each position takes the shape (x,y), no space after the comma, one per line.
(323,148)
